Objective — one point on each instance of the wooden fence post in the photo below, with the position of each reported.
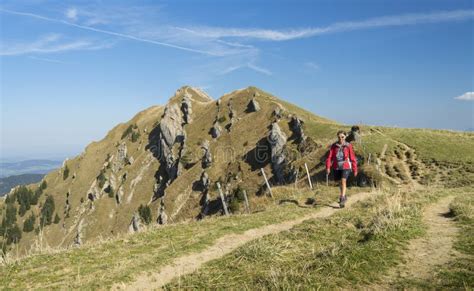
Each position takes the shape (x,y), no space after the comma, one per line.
(296,179)
(247,205)
(222,199)
(309,178)
(266,182)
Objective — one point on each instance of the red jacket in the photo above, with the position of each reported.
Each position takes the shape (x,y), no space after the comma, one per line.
(350,160)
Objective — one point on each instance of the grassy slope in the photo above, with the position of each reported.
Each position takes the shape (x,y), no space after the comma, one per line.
(119,259)
(353,247)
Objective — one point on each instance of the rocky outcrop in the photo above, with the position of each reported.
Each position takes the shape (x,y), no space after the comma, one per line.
(296,126)
(78,237)
(135,224)
(278,112)
(120,159)
(186,108)
(207,157)
(253,105)
(171,132)
(277,140)
(216,130)
(162,217)
(354,135)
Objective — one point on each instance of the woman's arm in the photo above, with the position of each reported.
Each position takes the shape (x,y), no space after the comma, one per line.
(353,160)
(329,159)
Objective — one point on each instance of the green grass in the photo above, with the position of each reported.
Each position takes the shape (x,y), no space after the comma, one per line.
(119,259)
(439,145)
(354,247)
(459,273)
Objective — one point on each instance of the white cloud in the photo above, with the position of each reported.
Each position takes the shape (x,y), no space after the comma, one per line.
(312,65)
(289,34)
(468,96)
(48,60)
(51,43)
(71,14)
(108,32)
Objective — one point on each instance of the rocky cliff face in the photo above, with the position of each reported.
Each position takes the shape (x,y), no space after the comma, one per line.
(161,167)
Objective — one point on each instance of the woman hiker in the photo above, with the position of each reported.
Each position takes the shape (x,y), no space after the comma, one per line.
(342,160)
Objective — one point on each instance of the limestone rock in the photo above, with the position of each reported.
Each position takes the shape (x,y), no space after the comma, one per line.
(296,126)
(162,217)
(186,108)
(277,140)
(120,158)
(253,105)
(135,224)
(216,130)
(207,157)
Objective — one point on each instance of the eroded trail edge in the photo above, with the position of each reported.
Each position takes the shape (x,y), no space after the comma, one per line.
(433,249)
(188,264)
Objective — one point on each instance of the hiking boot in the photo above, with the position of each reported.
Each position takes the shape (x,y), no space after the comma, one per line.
(342,201)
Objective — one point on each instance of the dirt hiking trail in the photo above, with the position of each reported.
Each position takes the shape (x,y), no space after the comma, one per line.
(189,263)
(435,248)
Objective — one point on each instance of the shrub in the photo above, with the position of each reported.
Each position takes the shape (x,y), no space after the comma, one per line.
(101,179)
(13,234)
(47,211)
(221,119)
(24,197)
(135,136)
(29,224)
(56,219)
(145,213)
(234,206)
(66,172)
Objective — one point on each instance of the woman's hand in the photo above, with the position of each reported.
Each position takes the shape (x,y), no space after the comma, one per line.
(328,171)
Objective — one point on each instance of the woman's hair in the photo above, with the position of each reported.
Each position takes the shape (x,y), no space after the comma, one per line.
(341,131)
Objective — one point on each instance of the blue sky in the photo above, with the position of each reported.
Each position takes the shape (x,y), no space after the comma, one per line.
(71,70)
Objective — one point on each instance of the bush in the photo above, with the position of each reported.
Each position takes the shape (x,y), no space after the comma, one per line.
(13,234)
(221,119)
(145,213)
(239,194)
(234,206)
(110,191)
(135,136)
(129,130)
(47,211)
(66,172)
(10,215)
(29,224)
(101,179)
(56,219)
(43,185)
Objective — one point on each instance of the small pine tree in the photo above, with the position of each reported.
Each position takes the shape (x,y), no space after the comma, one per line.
(66,172)
(47,211)
(135,136)
(56,219)
(10,215)
(145,213)
(13,234)
(29,223)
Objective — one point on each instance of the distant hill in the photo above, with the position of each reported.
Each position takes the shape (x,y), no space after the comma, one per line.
(7,183)
(27,167)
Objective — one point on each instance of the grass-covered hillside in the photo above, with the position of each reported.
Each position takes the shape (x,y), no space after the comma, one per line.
(157,175)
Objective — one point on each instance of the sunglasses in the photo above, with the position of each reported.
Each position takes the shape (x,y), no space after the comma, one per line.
(342,136)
